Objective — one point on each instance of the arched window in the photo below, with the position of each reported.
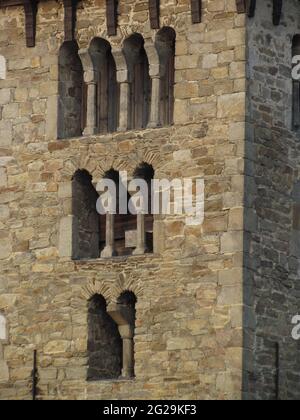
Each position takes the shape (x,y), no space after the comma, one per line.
(2,68)
(71,115)
(86,229)
(145,223)
(104,342)
(296,84)
(165,45)
(140,81)
(107,86)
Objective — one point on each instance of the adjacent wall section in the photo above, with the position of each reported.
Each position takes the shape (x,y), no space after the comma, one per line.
(272,289)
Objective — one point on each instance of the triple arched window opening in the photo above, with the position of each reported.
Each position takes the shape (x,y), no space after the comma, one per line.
(110,235)
(103,90)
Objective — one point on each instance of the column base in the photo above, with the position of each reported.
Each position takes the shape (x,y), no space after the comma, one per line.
(139,251)
(127,374)
(108,252)
(153,124)
(122,129)
(90,131)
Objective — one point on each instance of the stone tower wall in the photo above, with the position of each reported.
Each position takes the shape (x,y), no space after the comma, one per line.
(188,338)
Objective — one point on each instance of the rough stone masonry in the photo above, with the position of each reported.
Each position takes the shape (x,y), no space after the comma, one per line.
(214,302)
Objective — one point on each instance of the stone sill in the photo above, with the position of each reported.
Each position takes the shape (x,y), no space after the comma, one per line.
(116,259)
(117,135)
(112,381)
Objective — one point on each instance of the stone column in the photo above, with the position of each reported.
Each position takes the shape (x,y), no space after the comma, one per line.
(124,318)
(91,81)
(124,83)
(4,373)
(126,333)
(109,250)
(140,235)
(155,103)
(155,74)
(91,113)
(124,106)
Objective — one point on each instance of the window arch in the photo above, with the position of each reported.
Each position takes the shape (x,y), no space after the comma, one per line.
(104,342)
(165,45)
(86,228)
(296,85)
(107,86)
(140,81)
(2,68)
(71,115)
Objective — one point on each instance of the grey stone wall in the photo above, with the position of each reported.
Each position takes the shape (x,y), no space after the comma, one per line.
(272,287)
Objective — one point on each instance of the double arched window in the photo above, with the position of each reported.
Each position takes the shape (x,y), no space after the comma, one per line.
(111,331)
(102,90)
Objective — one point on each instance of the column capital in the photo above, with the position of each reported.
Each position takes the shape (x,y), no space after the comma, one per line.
(86,60)
(123,317)
(121,65)
(90,77)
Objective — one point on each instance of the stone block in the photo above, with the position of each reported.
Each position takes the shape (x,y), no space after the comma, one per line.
(232,242)
(232,105)
(4,372)
(66,236)
(5,96)
(5,248)
(230,295)
(210,61)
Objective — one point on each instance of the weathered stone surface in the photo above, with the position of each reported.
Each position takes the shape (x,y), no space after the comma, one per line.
(4,373)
